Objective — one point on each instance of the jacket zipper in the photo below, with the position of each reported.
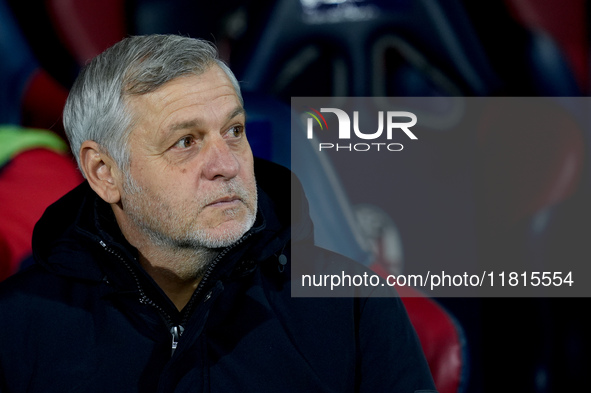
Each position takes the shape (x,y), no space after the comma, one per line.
(175,330)
(206,277)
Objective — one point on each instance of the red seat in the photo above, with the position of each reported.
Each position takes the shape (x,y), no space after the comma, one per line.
(88,27)
(29,183)
(566,23)
(441,337)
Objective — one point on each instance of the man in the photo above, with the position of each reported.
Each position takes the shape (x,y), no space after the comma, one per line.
(167,270)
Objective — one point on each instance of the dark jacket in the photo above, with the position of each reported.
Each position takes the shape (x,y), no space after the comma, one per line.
(87,317)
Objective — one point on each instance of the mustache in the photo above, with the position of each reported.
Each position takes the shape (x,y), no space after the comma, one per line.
(233,188)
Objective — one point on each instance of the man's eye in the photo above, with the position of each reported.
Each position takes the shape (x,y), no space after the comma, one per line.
(236,131)
(184,142)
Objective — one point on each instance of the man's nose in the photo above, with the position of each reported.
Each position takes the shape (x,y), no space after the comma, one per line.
(220,160)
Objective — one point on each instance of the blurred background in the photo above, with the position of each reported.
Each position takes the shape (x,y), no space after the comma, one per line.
(516,193)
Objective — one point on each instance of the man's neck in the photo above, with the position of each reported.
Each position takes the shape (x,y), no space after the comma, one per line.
(169,271)
(177,271)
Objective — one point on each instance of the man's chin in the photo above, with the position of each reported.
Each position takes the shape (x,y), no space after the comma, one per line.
(220,239)
(225,233)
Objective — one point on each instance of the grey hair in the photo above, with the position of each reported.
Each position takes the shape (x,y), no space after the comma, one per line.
(96,108)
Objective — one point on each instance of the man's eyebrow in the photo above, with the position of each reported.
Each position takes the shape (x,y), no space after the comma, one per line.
(184,125)
(238,111)
(195,123)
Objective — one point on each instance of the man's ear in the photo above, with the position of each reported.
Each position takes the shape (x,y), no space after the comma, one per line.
(101,171)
